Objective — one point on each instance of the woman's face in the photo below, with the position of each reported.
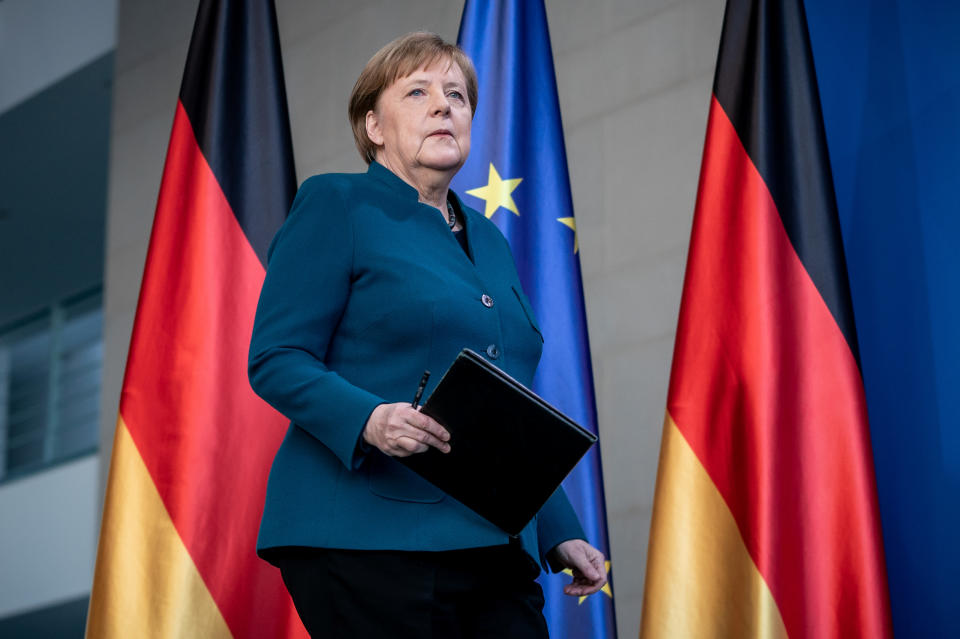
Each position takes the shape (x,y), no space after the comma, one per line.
(423,120)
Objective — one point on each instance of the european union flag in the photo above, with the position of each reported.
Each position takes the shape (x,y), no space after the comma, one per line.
(517,175)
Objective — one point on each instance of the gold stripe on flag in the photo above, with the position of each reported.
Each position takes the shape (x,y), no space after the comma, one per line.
(145,583)
(701,581)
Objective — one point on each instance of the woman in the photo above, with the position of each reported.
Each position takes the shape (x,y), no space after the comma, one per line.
(374,278)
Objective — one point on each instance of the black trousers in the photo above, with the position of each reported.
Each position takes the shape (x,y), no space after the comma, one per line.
(459,594)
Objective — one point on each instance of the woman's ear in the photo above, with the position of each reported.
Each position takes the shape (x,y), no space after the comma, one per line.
(374,131)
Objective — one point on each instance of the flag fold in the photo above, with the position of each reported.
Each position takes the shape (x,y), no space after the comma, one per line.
(193,444)
(765,517)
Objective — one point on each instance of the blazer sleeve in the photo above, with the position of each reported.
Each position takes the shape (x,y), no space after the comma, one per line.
(556,522)
(307,284)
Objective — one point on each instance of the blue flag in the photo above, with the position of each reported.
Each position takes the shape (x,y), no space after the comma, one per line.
(517,176)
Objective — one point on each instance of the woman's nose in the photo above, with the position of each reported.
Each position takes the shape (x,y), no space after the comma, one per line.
(441,105)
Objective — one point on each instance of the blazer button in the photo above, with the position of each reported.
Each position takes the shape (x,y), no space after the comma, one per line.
(487,300)
(493,352)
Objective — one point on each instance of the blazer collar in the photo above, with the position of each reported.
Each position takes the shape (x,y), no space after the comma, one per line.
(393,182)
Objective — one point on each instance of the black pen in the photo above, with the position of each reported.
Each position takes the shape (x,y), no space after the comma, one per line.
(423,384)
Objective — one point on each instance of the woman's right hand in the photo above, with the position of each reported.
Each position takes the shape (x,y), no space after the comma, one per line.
(400,430)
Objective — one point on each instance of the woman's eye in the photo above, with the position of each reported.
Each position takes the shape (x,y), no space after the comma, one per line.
(418,92)
(456,95)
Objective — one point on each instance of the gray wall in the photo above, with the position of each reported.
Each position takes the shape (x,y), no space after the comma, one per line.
(48,536)
(42,41)
(634,80)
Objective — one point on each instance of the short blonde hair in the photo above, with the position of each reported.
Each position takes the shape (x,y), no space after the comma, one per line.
(397,60)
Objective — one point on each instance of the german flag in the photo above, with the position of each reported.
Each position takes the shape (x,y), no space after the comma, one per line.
(193,445)
(765,517)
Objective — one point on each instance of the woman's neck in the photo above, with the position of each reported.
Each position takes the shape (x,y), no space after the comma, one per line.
(432,185)
(435,196)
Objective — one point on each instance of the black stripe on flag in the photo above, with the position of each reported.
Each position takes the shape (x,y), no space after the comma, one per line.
(233,92)
(766,84)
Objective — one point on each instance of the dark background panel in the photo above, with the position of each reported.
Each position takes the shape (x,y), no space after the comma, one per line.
(60,621)
(53,191)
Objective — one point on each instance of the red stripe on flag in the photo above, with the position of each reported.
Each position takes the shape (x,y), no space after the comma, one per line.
(768,394)
(206,439)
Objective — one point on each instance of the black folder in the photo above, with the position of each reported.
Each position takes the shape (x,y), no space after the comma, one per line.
(509,449)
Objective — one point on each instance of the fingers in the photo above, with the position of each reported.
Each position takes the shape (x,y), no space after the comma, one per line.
(429,425)
(587,565)
(400,430)
(419,432)
(597,561)
(582,579)
(580,590)
(405,446)
(582,585)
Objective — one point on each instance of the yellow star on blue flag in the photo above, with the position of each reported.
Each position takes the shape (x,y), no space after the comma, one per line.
(571,223)
(496,193)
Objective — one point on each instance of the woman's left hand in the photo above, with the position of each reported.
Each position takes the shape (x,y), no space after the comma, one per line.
(587,565)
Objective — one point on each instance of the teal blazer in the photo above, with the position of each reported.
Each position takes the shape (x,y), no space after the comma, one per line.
(365,289)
